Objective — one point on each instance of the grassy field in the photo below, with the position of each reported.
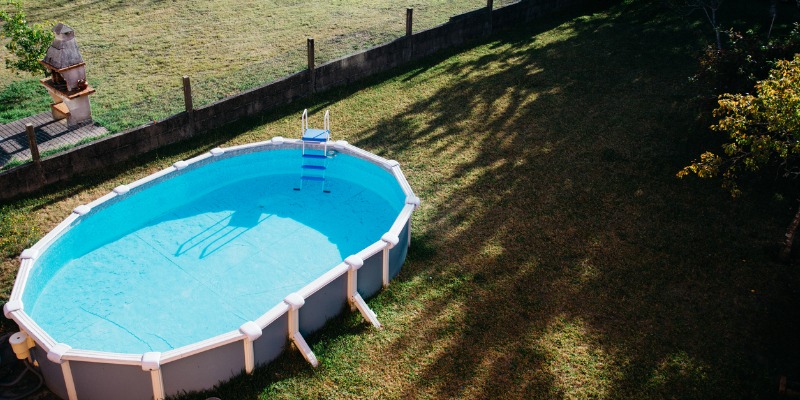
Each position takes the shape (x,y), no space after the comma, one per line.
(555,254)
(136,52)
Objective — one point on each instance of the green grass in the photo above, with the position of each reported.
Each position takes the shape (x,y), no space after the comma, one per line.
(21,99)
(555,254)
(17,231)
(137,52)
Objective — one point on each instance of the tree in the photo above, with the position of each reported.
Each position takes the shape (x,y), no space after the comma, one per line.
(765,135)
(709,8)
(28,43)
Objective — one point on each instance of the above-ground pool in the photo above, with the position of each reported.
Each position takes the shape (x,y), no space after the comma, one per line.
(206,269)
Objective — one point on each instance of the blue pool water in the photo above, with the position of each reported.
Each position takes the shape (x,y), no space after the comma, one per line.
(200,253)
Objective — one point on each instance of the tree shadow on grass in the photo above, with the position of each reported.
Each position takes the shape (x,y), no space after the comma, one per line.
(555,254)
(569,260)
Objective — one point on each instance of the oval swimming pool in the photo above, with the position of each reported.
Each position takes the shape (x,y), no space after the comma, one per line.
(225,257)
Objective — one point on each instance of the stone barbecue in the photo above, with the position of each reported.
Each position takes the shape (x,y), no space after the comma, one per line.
(67,84)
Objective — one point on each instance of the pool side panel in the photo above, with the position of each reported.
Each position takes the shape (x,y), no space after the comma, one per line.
(22,279)
(323,305)
(203,370)
(272,341)
(54,234)
(370,276)
(52,373)
(397,255)
(33,330)
(99,381)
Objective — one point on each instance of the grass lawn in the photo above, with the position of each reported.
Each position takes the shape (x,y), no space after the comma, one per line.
(555,254)
(136,52)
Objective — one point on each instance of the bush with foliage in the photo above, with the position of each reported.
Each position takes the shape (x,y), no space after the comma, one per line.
(747,59)
(28,43)
(764,133)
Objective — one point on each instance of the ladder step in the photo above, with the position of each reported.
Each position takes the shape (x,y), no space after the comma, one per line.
(314,156)
(312,178)
(316,135)
(320,167)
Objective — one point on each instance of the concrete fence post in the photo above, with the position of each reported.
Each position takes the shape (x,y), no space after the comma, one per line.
(37,159)
(311,74)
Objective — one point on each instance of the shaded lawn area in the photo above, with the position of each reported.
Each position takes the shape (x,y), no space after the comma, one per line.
(555,254)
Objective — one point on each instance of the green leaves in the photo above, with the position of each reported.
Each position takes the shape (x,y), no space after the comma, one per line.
(28,43)
(764,129)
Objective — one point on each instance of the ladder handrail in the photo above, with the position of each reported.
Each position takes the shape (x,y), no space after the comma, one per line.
(304,122)
(327,123)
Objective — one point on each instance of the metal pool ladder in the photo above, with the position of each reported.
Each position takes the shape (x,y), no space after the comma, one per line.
(315,151)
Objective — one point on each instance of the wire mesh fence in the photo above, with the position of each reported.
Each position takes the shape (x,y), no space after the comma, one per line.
(51,137)
(137,70)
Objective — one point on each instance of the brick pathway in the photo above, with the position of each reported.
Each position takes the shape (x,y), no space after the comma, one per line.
(49,135)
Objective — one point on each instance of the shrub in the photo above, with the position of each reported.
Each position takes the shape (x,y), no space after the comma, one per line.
(28,43)
(764,133)
(747,59)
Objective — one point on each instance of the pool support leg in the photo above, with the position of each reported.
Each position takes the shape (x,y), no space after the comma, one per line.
(391,241)
(151,361)
(368,314)
(69,381)
(56,355)
(295,301)
(353,297)
(252,332)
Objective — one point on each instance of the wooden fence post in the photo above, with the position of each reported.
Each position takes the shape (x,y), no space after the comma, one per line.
(409,20)
(311,75)
(37,159)
(188,103)
(407,52)
(187,94)
(32,143)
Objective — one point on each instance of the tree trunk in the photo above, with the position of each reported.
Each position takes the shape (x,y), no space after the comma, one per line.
(773,11)
(790,234)
(716,28)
